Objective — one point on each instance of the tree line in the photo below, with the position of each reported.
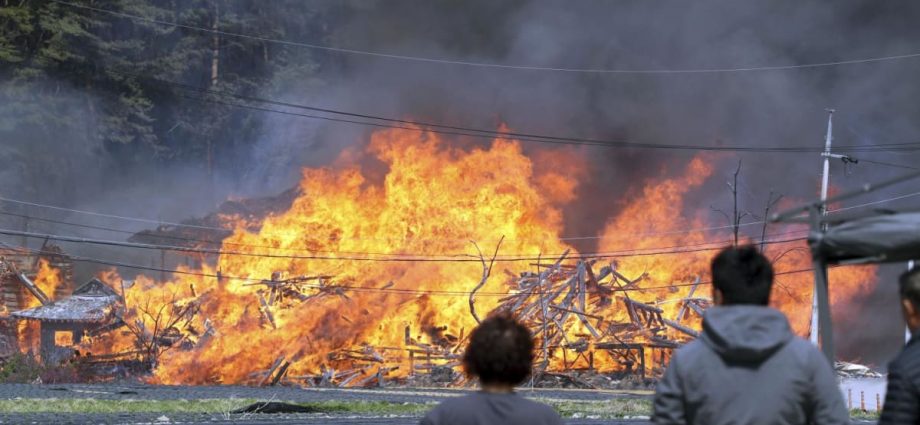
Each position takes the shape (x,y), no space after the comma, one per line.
(95,77)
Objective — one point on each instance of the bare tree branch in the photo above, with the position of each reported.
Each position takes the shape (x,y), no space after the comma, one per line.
(766,213)
(486,272)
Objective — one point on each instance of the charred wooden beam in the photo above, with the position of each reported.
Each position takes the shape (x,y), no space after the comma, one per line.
(681,328)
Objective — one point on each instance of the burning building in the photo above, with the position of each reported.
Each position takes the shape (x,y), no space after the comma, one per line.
(64,322)
(371,271)
(29,279)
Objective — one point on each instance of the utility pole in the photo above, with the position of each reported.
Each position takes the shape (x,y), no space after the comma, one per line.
(825,179)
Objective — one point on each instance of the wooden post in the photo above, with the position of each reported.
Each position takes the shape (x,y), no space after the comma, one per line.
(849,399)
(543,308)
(642,362)
(411,352)
(862,401)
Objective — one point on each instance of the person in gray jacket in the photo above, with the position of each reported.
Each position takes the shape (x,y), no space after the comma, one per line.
(747,367)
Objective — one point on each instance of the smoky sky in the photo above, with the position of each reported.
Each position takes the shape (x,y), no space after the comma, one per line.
(876,103)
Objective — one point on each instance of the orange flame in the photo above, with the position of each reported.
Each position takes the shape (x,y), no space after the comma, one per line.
(433,200)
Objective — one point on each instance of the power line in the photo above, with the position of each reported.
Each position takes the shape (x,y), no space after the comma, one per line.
(451,258)
(497,65)
(97,214)
(437,128)
(432,127)
(227,243)
(909,195)
(359,288)
(889,164)
(570,238)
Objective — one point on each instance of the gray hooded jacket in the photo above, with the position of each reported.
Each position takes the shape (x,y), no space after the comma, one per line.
(748,368)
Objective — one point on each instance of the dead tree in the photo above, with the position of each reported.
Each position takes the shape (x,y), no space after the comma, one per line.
(766,213)
(160,325)
(486,272)
(737,216)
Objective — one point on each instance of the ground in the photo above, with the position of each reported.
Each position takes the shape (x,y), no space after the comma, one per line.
(144,404)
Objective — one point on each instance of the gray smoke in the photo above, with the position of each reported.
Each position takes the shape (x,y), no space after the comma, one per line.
(876,103)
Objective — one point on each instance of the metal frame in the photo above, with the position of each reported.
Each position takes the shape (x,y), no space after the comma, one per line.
(812,213)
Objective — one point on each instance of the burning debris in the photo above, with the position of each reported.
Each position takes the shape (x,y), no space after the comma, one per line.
(574,313)
(91,309)
(29,280)
(363,279)
(208,231)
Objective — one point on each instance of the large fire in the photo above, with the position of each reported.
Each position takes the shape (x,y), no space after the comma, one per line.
(48,279)
(363,233)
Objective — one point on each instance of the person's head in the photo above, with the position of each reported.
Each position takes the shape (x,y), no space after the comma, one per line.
(500,352)
(909,287)
(741,275)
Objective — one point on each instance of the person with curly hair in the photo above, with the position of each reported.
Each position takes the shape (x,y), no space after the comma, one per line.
(500,354)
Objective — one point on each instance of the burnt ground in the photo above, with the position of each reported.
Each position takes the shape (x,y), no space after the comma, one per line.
(145,392)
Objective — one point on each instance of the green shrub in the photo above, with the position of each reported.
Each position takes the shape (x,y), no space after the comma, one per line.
(19,368)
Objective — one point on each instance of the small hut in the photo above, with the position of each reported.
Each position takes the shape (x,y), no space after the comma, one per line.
(65,322)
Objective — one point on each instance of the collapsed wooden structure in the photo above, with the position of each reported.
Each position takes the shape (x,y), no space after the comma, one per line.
(576,311)
(573,314)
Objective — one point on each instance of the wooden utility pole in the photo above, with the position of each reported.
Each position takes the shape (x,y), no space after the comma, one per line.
(215,74)
(215,44)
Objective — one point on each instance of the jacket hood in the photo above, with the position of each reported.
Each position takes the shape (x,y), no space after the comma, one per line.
(745,333)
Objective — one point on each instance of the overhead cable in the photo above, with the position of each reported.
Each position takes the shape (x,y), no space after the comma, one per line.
(499,66)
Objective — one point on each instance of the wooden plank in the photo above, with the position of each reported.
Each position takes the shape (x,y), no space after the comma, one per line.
(681,328)
(271,371)
(683,307)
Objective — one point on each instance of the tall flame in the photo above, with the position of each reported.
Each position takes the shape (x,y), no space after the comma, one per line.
(360,246)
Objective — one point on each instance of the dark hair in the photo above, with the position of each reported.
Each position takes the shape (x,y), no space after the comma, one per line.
(909,286)
(500,351)
(743,275)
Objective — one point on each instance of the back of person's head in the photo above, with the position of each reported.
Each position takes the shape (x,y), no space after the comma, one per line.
(500,351)
(743,276)
(909,286)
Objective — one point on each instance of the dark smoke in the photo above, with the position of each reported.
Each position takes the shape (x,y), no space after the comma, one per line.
(876,103)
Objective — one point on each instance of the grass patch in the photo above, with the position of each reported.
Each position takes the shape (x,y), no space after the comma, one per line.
(864,415)
(603,409)
(614,408)
(88,405)
(222,406)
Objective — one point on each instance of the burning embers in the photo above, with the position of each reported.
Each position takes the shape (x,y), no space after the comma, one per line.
(367,277)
